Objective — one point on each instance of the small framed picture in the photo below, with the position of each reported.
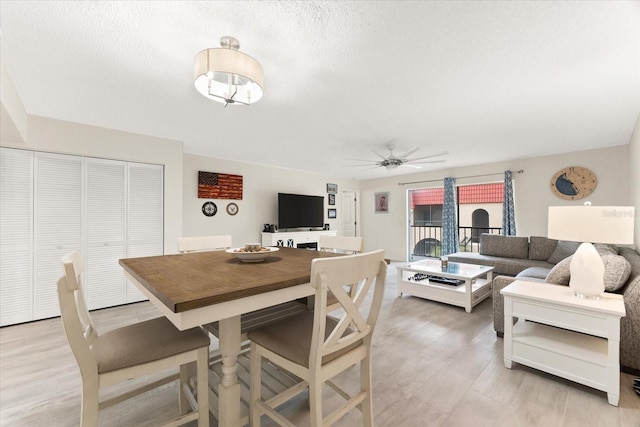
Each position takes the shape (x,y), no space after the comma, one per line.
(332,199)
(332,188)
(382,202)
(331,213)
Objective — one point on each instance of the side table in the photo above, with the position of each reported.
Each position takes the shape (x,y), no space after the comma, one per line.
(573,338)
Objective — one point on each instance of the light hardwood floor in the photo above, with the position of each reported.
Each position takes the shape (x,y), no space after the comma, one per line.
(434,365)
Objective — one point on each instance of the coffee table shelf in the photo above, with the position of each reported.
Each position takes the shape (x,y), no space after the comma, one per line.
(476,287)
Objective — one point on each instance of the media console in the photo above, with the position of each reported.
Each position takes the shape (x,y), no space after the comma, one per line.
(296,239)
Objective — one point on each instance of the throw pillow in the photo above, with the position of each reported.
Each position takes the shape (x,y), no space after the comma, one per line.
(563,249)
(616,272)
(541,248)
(560,273)
(604,249)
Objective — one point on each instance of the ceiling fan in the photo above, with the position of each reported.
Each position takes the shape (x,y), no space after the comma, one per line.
(392,161)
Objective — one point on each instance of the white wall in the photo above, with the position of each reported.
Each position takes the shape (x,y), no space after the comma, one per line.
(58,136)
(634,177)
(13,115)
(617,170)
(259,204)
(532,192)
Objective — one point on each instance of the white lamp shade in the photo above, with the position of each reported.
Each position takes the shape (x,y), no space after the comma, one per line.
(219,71)
(594,224)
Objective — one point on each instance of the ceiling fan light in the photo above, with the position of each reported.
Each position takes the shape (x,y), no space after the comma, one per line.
(227,75)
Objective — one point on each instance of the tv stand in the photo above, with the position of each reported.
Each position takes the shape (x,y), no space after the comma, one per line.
(295,239)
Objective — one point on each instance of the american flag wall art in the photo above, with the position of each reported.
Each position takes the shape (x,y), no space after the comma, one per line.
(213,185)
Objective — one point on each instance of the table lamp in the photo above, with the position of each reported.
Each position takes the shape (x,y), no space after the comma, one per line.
(590,224)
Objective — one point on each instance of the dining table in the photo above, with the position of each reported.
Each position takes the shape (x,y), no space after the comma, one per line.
(197,288)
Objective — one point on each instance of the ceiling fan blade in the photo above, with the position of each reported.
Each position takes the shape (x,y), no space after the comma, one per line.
(444,153)
(361,160)
(375,167)
(411,166)
(408,153)
(379,155)
(425,162)
(361,165)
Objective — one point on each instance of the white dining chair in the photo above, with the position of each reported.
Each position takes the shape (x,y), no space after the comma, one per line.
(129,352)
(316,347)
(340,244)
(248,321)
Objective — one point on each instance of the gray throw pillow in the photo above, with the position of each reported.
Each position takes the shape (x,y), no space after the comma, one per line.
(616,272)
(604,249)
(563,249)
(541,248)
(560,273)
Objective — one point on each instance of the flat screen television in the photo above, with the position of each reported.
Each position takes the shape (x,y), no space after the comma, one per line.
(300,211)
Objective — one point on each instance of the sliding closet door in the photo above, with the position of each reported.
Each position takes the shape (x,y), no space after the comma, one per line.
(52,204)
(16,216)
(105,243)
(145,236)
(57,224)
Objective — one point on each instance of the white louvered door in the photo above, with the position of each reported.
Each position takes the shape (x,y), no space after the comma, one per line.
(57,224)
(145,216)
(105,219)
(16,247)
(52,204)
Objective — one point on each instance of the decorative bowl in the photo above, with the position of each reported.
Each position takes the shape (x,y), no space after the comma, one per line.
(244,256)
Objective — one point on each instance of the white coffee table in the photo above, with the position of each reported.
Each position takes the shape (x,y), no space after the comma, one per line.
(475,288)
(573,338)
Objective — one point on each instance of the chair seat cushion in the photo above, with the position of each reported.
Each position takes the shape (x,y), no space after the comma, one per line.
(144,342)
(291,338)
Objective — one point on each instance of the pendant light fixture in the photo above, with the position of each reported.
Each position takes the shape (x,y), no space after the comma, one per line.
(227,75)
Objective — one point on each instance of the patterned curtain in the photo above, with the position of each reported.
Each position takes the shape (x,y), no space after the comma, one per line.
(449,218)
(508,209)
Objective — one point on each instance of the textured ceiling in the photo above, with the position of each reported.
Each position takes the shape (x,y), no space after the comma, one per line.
(486,81)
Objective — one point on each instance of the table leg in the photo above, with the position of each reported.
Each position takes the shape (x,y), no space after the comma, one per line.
(469,295)
(508,331)
(613,362)
(229,392)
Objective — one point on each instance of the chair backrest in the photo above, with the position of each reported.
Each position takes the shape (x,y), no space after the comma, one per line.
(204,243)
(340,244)
(76,320)
(365,273)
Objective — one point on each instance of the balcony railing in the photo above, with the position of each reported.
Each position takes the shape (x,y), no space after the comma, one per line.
(426,240)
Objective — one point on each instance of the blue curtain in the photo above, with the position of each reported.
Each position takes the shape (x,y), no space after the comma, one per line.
(508,209)
(449,218)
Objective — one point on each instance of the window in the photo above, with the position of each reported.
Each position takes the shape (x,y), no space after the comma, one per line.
(479,211)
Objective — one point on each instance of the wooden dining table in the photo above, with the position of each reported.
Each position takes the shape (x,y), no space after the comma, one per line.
(193,289)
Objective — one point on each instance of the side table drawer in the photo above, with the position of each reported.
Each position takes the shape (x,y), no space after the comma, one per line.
(562,317)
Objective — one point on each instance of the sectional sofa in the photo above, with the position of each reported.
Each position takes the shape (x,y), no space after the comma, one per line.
(540,259)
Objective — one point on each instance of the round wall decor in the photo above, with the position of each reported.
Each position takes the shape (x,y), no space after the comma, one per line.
(209,209)
(573,183)
(232,209)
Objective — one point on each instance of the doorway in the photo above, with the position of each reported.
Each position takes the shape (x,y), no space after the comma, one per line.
(350,213)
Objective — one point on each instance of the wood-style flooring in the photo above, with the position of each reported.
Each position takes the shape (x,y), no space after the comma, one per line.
(434,365)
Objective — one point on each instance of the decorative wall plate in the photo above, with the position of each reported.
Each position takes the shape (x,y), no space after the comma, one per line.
(232,209)
(209,209)
(573,183)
